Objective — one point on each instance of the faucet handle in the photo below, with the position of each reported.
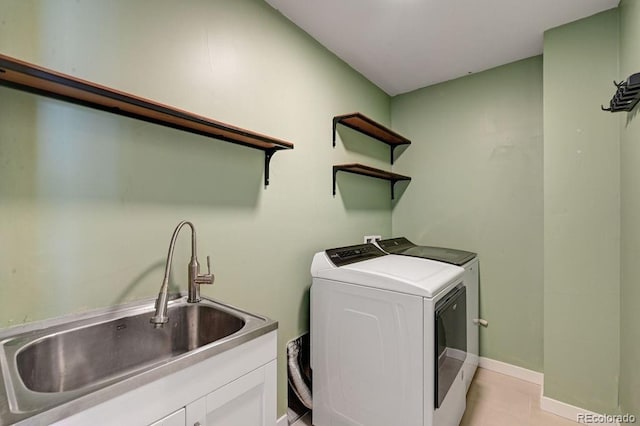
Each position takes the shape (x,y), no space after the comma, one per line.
(207,278)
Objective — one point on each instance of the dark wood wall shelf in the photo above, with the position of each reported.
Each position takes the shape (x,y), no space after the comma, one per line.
(42,81)
(359,169)
(367,126)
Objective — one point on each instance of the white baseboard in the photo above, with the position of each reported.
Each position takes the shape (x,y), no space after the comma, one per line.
(282,421)
(511,370)
(568,411)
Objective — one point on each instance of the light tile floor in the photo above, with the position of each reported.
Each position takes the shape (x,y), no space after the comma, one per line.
(495,399)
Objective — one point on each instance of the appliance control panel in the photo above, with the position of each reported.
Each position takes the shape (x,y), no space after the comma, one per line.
(352,254)
(395,245)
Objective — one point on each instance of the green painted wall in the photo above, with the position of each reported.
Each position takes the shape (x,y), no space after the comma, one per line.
(581,215)
(476,164)
(630,244)
(88,200)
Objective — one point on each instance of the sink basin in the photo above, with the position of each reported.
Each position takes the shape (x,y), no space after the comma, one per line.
(77,358)
(51,369)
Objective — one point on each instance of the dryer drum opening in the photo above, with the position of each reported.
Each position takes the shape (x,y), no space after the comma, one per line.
(450,340)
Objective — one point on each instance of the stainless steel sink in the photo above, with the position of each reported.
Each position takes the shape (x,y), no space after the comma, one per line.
(86,360)
(77,358)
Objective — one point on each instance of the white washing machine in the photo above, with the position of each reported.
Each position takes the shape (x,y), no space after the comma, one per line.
(388,339)
(464,259)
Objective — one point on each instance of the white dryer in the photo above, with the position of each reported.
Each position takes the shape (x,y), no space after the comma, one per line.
(468,261)
(388,339)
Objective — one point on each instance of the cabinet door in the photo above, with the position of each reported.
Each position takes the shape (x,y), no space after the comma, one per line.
(249,400)
(176,418)
(197,412)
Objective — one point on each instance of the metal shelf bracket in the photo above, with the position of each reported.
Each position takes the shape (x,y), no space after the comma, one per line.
(268,153)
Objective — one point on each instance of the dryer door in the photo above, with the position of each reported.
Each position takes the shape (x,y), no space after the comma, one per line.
(450,340)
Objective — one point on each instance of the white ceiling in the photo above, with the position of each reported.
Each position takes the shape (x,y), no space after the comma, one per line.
(403,45)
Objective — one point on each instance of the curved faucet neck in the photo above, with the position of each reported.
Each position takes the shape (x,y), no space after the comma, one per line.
(172,244)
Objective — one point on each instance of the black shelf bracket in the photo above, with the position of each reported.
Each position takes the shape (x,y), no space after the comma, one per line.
(393,185)
(335,124)
(627,95)
(393,148)
(268,153)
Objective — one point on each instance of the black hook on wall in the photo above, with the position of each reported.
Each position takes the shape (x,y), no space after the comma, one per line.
(627,95)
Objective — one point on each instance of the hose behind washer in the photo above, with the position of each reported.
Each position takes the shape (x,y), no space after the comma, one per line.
(296,380)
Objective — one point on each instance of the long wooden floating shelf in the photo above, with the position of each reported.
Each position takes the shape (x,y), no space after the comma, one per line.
(22,75)
(359,169)
(371,128)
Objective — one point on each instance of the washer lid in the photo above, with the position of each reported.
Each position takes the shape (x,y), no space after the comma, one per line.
(403,274)
(406,248)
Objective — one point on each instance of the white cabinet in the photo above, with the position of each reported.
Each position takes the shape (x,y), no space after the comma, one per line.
(247,401)
(176,418)
(234,388)
(197,412)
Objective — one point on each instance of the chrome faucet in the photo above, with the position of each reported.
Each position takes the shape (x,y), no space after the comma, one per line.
(195,279)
